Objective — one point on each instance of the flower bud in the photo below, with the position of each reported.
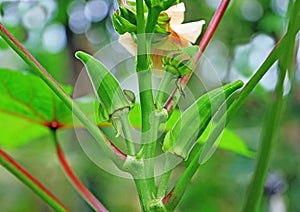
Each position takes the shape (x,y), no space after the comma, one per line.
(180,63)
(122,25)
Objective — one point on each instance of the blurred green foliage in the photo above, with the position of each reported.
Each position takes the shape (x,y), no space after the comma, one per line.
(221,183)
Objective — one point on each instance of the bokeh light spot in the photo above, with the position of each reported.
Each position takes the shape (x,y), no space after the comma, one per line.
(54,38)
(251,10)
(96,10)
(35,17)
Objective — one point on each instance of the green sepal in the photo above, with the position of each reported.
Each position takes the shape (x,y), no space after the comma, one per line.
(128,13)
(180,63)
(188,128)
(122,25)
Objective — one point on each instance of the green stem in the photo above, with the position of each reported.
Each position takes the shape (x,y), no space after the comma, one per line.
(142,188)
(82,190)
(272,121)
(162,95)
(147,103)
(127,134)
(164,179)
(152,18)
(115,154)
(12,166)
(163,184)
(269,135)
(173,198)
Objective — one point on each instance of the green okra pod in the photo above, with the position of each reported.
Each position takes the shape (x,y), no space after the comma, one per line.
(193,121)
(113,100)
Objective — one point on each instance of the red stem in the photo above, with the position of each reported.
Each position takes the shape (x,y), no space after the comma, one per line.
(87,195)
(214,23)
(29,177)
(210,31)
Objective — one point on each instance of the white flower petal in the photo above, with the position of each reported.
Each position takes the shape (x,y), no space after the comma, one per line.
(189,31)
(176,13)
(127,42)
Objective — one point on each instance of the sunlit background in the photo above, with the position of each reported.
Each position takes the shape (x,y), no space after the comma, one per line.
(54,30)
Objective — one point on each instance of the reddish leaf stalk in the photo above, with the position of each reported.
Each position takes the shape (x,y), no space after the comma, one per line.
(211,29)
(29,180)
(54,85)
(117,151)
(86,194)
(167,197)
(214,23)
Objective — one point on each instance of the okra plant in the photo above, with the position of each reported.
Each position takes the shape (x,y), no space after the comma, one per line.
(170,137)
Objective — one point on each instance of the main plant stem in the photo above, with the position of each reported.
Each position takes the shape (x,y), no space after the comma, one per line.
(147,107)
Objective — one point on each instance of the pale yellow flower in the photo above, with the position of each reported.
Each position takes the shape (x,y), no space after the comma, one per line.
(181,35)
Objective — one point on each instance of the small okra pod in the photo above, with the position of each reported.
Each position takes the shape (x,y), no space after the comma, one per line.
(182,137)
(107,89)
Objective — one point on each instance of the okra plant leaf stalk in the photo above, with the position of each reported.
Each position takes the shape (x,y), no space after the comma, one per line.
(115,154)
(17,170)
(82,190)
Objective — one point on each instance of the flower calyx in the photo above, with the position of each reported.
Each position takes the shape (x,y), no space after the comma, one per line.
(180,62)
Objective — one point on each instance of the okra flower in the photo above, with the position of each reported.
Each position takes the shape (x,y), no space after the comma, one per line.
(170,33)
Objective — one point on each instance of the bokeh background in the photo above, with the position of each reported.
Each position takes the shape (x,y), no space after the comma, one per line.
(52,30)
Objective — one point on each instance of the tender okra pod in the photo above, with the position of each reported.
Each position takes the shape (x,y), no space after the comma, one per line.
(114,102)
(193,121)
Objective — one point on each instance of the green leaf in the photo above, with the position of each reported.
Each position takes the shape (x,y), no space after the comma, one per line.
(229,141)
(17,131)
(28,105)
